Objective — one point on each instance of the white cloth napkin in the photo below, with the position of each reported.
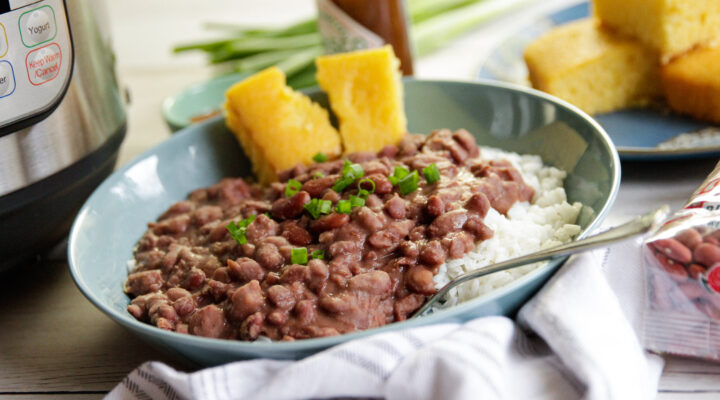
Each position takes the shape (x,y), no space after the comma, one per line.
(575,339)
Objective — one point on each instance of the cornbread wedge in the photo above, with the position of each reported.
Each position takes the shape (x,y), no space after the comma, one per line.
(592,68)
(692,84)
(366,95)
(670,26)
(277,127)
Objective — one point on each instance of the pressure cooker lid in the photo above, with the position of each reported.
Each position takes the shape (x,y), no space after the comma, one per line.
(36,60)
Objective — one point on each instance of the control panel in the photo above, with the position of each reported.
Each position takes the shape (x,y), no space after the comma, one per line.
(35,59)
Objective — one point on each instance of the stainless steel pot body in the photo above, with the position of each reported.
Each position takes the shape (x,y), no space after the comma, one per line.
(47,169)
(90,112)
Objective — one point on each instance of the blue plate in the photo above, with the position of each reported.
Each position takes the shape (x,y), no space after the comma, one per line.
(514,118)
(637,132)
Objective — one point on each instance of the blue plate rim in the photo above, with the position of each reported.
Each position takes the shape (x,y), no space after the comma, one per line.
(305,345)
(566,14)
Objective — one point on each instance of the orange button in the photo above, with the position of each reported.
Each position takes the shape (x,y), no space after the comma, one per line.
(43,64)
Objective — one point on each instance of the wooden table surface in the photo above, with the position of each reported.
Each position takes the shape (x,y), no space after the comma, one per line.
(55,344)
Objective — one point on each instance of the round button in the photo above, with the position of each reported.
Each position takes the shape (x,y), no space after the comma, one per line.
(38,26)
(7,83)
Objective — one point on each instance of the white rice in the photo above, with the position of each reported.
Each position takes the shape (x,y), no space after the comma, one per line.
(549,220)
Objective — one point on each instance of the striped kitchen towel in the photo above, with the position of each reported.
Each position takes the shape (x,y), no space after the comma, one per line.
(573,340)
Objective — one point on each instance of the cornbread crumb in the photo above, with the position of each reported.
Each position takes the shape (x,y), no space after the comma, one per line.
(365,92)
(692,84)
(278,127)
(669,26)
(593,68)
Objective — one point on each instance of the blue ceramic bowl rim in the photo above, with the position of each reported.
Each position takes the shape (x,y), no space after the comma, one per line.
(305,345)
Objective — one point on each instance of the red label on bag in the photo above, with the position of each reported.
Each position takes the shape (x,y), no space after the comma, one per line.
(712,278)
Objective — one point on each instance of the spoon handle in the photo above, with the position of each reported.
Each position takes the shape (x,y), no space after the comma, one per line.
(636,226)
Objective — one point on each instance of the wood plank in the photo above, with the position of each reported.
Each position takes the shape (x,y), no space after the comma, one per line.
(53,339)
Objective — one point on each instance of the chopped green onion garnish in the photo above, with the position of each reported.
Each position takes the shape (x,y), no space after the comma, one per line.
(292,187)
(372,183)
(350,172)
(343,207)
(299,256)
(356,201)
(325,206)
(320,157)
(431,173)
(409,183)
(317,207)
(318,254)
(318,174)
(353,170)
(363,194)
(398,174)
(237,230)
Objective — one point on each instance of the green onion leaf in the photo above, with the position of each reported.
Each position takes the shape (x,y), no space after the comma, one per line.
(237,230)
(398,174)
(318,254)
(342,183)
(409,183)
(292,187)
(363,194)
(343,207)
(325,206)
(318,174)
(299,256)
(356,201)
(317,207)
(372,183)
(350,172)
(320,157)
(431,173)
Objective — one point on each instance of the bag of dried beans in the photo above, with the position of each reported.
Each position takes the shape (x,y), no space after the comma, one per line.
(682,267)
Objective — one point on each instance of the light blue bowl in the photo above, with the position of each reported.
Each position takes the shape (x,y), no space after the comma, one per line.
(517,119)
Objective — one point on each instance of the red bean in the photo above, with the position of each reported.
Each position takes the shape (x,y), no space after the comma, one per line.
(707,254)
(246,300)
(327,222)
(252,326)
(676,271)
(382,184)
(673,249)
(374,282)
(434,207)
(689,237)
(395,207)
(420,279)
(281,296)
(448,222)
(433,253)
(144,282)
(208,321)
(245,270)
(316,187)
(478,203)
(290,207)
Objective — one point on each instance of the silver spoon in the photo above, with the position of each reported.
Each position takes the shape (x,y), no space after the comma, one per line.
(636,226)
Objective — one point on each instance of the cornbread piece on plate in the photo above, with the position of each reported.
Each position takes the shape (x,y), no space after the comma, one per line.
(278,127)
(593,68)
(670,26)
(365,93)
(692,84)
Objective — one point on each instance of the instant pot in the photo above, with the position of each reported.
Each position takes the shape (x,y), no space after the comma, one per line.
(61,118)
